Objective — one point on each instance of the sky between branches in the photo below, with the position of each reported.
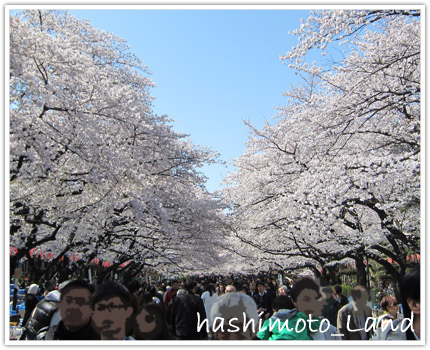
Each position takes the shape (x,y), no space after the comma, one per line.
(213,68)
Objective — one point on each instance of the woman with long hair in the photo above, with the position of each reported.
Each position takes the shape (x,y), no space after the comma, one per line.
(208,297)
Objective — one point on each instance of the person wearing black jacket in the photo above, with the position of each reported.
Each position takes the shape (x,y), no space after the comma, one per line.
(30,301)
(41,316)
(331,307)
(342,299)
(76,312)
(60,332)
(264,301)
(184,317)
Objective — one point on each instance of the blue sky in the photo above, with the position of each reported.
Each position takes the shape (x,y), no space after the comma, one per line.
(213,69)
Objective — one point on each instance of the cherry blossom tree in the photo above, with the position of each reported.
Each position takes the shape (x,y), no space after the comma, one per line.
(336,175)
(93,171)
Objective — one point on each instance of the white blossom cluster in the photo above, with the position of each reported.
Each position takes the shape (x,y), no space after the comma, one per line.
(336,174)
(92,170)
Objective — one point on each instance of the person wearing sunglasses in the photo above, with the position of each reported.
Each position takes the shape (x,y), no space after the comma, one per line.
(391,307)
(408,327)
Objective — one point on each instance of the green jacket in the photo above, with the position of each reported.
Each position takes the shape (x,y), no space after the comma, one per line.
(285,325)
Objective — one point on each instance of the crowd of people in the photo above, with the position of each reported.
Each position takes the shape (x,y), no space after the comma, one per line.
(218,309)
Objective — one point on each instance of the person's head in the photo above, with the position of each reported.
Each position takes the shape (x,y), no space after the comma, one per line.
(360,296)
(199,289)
(337,290)
(190,286)
(75,304)
(50,286)
(33,289)
(149,322)
(390,305)
(283,290)
(327,292)
(282,302)
(410,294)
(133,287)
(260,287)
(210,288)
(181,291)
(234,309)
(112,305)
(175,285)
(151,290)
(306,297)
(252,286)
(230,289)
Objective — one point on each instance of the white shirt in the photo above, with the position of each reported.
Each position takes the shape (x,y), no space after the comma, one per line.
(208,300)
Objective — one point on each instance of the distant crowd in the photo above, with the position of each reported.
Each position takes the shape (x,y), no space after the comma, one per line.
(217,309)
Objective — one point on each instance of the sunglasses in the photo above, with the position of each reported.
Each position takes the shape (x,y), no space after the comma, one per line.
(394,304)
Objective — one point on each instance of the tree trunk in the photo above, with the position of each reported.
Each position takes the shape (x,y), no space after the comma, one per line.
(361,271)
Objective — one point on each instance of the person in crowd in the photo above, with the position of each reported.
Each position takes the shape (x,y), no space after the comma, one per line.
(253,292)
(245,287)
(237,286)
(41,315)
(271,288)
(282,290)
(200,289)
(233,316)
(171,293)
(161,290)
(209,296)
(410,292)
(337,294)
(354,315)
(56,317)
(181,290)
(221,289)
(288,283)
(228,281)
(147,298)
(149,323)
(331,307)
(390,306)
(307,299)
(142,297)
(76,312)
(155,296)
(112,305)
(186,311)
(264,301)
(283,324)
(410,296)
(168,287)
(230,289)
(133,287)
(31,301)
